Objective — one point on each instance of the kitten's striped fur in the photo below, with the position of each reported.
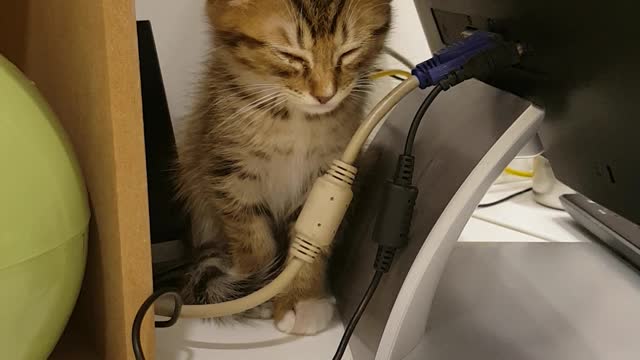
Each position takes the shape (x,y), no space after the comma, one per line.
(283,93)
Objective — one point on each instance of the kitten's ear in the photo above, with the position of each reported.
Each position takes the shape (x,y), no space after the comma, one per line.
(231,3)
(217,10)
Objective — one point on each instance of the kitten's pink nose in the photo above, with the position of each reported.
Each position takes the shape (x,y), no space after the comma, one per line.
(324,99)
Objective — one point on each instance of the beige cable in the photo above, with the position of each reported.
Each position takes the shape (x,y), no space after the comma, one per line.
(165,308)
(375,116)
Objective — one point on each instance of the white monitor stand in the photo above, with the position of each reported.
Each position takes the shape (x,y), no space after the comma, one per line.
(546,301)
(467,139)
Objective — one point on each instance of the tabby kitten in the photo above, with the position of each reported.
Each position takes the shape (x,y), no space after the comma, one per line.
(283,93)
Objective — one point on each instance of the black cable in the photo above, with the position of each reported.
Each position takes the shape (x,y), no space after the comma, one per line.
(391,233)
(142,312)
(498,202)
(344,342)
(394,220)
(413,131)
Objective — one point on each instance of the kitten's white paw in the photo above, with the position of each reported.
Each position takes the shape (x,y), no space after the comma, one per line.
(309,317)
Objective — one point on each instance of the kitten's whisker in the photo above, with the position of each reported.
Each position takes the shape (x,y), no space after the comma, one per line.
(226,88)
(256,86)
(365,86)
(366,80)
(352,12)
(237,99)
(276,102)
(289,10)
(245,95)
(356,95)
(253,84)
(213,49)
(348,12)
(260,100)
(370,89)
(238,88)
(253,104)
(256,104)
(272,107)
(356,100)
(258,113)
(365,10)
(249,95)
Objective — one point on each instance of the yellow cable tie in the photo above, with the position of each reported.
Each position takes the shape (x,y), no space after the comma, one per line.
(385,73)
(519,173)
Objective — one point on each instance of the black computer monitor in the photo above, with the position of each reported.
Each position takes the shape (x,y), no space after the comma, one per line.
(582,64)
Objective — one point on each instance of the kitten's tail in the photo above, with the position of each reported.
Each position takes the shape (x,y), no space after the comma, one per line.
(211,281)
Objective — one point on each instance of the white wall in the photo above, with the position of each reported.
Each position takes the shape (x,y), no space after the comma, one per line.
(407,36)
(181,37)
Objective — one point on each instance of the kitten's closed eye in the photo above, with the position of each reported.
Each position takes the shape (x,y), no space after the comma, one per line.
(345,58)
(348,56)
(293,59)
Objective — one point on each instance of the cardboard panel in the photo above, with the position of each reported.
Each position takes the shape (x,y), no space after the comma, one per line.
(83,56)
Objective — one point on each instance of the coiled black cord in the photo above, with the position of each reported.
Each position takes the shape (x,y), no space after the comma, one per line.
(142,312)
(505,199)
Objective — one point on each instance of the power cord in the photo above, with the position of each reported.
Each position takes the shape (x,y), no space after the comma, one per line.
(505,199)
(477,57)
(140,315)
(391,233)
(344,342)
(394,220)
(417,120)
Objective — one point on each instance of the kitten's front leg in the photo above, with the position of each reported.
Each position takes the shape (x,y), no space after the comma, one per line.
(253,249)
(306,308)
(251,242)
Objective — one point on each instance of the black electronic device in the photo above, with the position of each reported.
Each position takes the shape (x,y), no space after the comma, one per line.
(616,232)
(167,221)
(579,64)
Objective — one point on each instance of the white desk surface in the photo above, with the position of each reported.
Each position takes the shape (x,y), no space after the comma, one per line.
(518,220)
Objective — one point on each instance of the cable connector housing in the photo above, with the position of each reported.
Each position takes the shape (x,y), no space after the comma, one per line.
(394,220)
(323,211)
(477,56)
(483,65)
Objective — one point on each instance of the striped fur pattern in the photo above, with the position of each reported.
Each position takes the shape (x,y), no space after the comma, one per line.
(283,92)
